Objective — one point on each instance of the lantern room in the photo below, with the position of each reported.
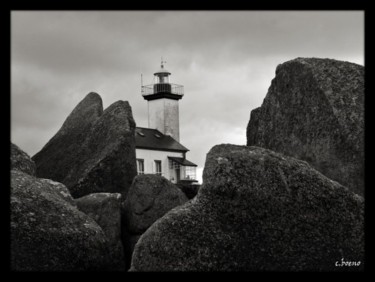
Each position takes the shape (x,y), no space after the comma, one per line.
(162,75)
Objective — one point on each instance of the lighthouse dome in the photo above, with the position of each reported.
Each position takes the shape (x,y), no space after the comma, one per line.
(162,71)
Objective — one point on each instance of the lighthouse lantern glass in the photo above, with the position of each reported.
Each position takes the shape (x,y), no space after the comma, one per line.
(162,78)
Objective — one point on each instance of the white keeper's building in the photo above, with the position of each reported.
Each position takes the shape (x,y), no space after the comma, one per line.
(158,147)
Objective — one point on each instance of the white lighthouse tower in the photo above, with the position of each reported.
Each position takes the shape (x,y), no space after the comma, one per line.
(158,147)
(162,97)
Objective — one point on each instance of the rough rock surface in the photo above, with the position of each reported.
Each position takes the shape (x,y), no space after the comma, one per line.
(57,188)
(50,234)
(105,209)
(21,161)
(314,111)
(94,151)
(257,210)
(150,197)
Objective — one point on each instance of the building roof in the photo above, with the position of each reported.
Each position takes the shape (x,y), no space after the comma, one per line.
(182,161)
(153,139)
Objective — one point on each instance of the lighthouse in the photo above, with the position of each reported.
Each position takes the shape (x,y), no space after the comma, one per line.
(158,147)
(162,98)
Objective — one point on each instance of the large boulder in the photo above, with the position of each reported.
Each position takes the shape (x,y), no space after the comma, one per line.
(314,111)
(257,210)
(150,197)
(21,161)
(48,233)
(94,151)
(105,209)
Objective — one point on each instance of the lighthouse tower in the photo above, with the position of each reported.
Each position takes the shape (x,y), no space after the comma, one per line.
(162,98)
(158,149)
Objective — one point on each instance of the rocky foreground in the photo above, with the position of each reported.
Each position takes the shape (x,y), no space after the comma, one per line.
(257,211)
(52,231)
(48,232)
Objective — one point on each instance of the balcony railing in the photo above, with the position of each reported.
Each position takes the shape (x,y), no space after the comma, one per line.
(162,88)
(186,172)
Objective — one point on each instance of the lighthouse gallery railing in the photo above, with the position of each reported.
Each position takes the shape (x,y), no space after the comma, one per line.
(162,88)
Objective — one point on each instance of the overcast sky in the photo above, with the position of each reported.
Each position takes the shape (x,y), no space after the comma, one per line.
(225,60)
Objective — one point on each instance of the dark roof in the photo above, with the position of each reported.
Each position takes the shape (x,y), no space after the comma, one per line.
(182,161)
(153,139)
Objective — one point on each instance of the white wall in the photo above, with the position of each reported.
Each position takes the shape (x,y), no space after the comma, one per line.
(163,115)
(156,114)
(149,156)
(171,115)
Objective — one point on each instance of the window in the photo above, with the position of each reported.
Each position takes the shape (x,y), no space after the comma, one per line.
(158,167)
(140,166)
(190,172)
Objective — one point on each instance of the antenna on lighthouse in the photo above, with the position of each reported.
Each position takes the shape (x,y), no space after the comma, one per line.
(142,90)
(162,62)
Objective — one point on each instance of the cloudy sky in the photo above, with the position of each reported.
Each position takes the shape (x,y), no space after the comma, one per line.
(225,60)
